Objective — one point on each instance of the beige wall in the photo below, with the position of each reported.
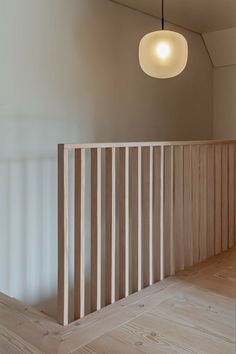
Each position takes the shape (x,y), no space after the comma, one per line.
(222,50)
(69,72)
(225,102)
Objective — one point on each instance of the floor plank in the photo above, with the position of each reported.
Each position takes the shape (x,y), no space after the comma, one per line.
(10,343)
(192,312)
(198,318)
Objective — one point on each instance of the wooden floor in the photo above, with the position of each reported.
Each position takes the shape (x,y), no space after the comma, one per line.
(193,312)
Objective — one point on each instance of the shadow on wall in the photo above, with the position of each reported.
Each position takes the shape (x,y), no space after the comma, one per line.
(28,252)
(49,305)
(28,223)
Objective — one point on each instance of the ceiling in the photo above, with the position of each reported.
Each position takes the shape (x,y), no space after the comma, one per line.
(220,46)
(197,15)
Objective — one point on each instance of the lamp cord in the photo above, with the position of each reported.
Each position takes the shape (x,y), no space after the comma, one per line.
(162,16)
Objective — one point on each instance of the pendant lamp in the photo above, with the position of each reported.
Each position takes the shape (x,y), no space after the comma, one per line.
(163,54)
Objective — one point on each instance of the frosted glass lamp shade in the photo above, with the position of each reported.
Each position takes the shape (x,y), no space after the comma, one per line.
(163,54)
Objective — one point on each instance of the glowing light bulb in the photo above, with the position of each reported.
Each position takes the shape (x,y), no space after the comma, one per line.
(163,54)
(163,50)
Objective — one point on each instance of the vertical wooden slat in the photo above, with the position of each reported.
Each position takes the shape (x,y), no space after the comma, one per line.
(210,201)
(172,238)
(156,212)
(145,214)
(95,229)
(168,211)
(188,222)
(225,198)
(113,229)
(109,177)
(121,223)
(134,217)
(63,286)
(234,194)
(99,231)
(196,202)
(203,202)
(79,271)
(140,280)
(162,186)
(150,215)
(218,199)
(127,265)
(178,207)
(231,194)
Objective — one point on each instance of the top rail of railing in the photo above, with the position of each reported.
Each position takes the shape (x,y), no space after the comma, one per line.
(144,144)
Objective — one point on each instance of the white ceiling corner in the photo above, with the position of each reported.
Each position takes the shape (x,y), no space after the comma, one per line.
(221,46)
(197,15)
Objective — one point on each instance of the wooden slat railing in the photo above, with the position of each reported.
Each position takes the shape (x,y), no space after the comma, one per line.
(156,208)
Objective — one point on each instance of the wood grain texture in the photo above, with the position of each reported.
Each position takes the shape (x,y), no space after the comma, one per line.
(29,324)
(7,348)
(232,198)
(179,208)
(196,202)
(172,230)
(127,234)
(10,343)
(198,301)
(218,199)
(156,213)
(225,197)
(192,319)
(175,207)
(145,215)
(210,201)
(108,227)
(188,204)
(147,144)
(134,218)
(151,215)
(168,210)
(203,202)
(235,193)
(79,235)
(113,241)
(162,201)
(95,229)
(121,208)
(63,282)
(140,273)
